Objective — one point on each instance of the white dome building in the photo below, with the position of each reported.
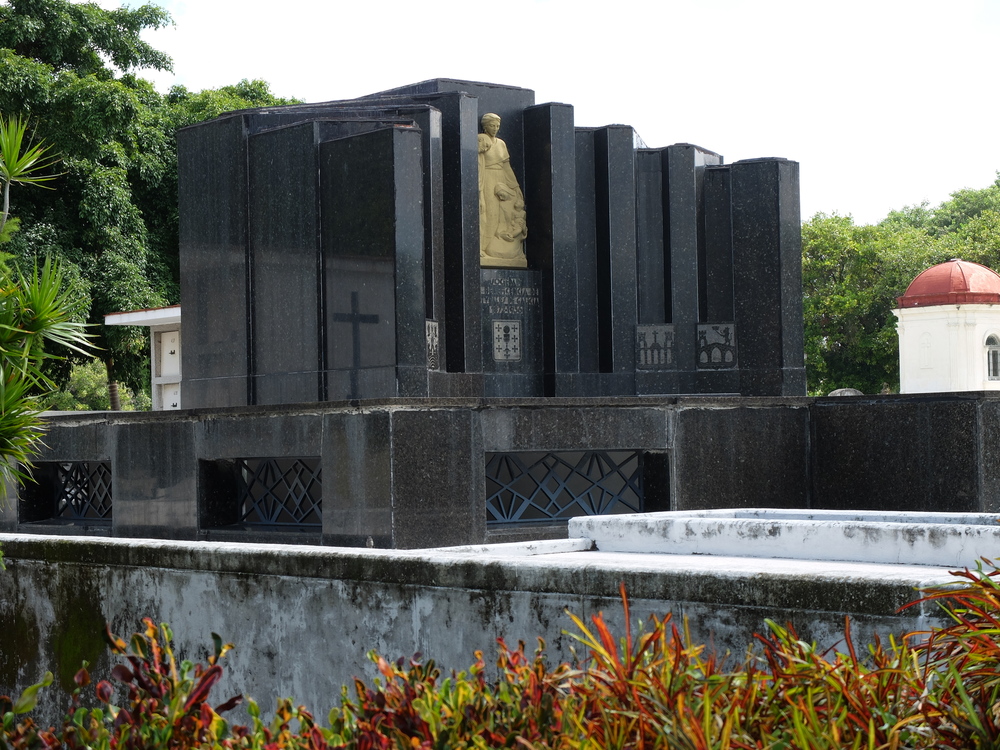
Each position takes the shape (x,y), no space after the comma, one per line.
(949,330)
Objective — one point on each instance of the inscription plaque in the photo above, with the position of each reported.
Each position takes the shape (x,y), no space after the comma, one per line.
(433,345)
(717,346)
(506,341)
(654,347)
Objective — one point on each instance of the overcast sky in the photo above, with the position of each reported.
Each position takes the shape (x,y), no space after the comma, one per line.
(884,103)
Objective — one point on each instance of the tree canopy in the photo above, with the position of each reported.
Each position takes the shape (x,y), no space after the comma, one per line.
(852,276)
(71,69)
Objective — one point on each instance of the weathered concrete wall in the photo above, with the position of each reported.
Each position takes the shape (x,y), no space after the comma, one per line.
(302,618)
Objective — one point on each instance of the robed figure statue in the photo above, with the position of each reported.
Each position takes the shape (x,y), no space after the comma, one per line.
(502,226)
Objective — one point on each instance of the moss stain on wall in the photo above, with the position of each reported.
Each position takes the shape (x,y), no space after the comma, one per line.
(19,635)
(77,633)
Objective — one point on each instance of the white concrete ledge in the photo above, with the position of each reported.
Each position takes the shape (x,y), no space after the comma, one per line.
(522,549)
(946,539)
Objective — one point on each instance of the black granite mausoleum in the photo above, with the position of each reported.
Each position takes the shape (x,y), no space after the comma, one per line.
(331,251)
(351,375)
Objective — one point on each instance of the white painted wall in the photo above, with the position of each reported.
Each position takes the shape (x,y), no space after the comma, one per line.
(164,325)
(943,347)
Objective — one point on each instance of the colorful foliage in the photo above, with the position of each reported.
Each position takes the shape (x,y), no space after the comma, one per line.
(652,689)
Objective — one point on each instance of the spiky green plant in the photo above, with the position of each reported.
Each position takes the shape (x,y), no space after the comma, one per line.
(35,309)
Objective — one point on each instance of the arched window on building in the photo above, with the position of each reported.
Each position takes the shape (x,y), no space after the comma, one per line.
(993,357)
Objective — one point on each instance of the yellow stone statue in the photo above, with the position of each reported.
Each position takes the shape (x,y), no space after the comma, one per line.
(502,226)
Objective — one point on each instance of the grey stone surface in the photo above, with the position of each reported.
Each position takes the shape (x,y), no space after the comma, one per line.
(357,480)
(577,427)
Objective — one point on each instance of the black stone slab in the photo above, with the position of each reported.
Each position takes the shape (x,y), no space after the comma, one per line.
(357,485)
(989,456)
(460,165)
(375,329)
(284,245)
(718,244)
(512,332)
(287,297)
(740,457)
(212,194)
(656,362)
(218,272)
(154,471)
(459,227)
(551,247)
(438,478)
(718,300)
(429,120)
(586,238)
(652,273)
(586,425)
(767,262)
(902,453)
(617,301)
(684,169)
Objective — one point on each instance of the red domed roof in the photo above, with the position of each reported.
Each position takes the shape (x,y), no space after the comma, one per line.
(957,282)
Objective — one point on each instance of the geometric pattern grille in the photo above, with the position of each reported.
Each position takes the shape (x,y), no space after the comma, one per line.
(84,490)
(534,486)
(280,491)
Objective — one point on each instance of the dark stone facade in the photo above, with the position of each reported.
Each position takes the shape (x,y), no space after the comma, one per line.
(331,251)
(410,473)
(352,376)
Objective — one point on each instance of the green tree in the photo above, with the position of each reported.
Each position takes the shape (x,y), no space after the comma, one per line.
(852,276)
(70,67)
(87,390)
(67,66)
